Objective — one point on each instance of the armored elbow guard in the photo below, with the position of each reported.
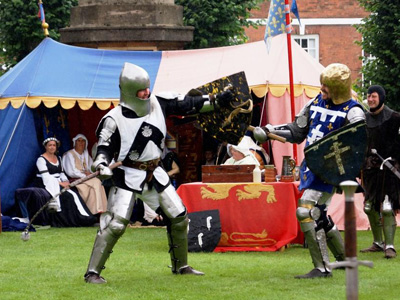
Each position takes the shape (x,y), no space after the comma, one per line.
(109,127)
(297,133)
(299,128)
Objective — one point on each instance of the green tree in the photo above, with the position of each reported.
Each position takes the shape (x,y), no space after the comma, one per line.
(381,41)
(217,23)
(20,26)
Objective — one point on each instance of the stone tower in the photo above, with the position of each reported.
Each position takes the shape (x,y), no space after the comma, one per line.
(127,25)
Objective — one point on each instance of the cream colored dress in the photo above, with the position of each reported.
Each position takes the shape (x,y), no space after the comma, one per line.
(91,191)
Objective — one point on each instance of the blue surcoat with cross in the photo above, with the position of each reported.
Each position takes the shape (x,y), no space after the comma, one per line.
(324,117)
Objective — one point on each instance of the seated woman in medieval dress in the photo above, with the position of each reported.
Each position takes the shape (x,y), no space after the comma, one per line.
(76,163)
(72,210)
(240,156)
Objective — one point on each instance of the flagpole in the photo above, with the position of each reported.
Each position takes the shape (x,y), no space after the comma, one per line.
(290,61)
(45,26)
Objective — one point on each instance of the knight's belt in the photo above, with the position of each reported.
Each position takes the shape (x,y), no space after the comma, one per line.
(149,165)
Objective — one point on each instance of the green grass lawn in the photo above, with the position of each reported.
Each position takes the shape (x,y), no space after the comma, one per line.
(52,263)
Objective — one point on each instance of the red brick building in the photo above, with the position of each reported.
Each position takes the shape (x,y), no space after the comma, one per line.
(327,30)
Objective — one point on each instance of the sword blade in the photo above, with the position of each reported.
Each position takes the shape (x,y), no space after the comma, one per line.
(352,281)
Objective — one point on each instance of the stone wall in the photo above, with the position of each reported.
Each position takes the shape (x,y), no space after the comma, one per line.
(124,24)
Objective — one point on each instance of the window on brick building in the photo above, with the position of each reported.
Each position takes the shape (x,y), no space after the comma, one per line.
(310,43)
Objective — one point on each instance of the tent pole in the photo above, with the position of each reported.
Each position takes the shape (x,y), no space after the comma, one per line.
(263,108)
(12,134)
(289,47)
(1,217)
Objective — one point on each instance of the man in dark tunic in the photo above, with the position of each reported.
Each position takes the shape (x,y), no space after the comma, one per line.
(382,187)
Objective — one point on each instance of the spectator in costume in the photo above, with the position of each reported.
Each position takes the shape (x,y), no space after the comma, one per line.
(259,152)
(240,156)
(170,162)
(69,208)
(209,158)
(77,163)
(382,187)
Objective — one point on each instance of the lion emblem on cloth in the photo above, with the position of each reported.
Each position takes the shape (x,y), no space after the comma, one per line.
(249,191)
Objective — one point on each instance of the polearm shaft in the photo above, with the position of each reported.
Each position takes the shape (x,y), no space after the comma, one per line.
(75,183)
(350,242)
(272,136)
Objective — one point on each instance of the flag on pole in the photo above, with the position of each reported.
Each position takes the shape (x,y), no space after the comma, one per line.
(45,26)
(41,12)
(276,22)
(295,10)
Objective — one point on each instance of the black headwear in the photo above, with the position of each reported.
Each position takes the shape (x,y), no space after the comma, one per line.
(381,92)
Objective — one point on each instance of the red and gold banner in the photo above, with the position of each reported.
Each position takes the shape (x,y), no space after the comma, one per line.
(254,216)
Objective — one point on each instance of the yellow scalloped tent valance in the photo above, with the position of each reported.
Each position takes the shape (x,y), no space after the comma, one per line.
(279,89)
(103,104)
(66,103)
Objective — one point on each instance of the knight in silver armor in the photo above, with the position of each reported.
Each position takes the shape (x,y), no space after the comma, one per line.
(332,109)
(134,134)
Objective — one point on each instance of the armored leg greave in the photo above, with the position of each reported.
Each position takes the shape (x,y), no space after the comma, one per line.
(389,229)
(315,240)
(333,236)
(178,242)
(175,217)
(336,243)
(316,228)
(111,229)
(375,223)
(389,223)
(112,226)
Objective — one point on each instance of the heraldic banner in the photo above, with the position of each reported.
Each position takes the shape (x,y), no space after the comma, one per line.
(253,216)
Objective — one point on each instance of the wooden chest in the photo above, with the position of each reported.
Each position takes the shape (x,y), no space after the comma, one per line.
(227,173)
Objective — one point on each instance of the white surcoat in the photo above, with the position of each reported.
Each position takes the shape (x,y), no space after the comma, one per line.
(142,129)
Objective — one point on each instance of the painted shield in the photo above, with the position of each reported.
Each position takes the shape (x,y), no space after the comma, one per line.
(339,155)
(204,231)
(228,124)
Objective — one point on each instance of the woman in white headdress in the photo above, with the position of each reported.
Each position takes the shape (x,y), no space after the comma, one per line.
(77,163)
(240,156)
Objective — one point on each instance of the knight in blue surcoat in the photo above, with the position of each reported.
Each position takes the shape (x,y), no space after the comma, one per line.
(332,109)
